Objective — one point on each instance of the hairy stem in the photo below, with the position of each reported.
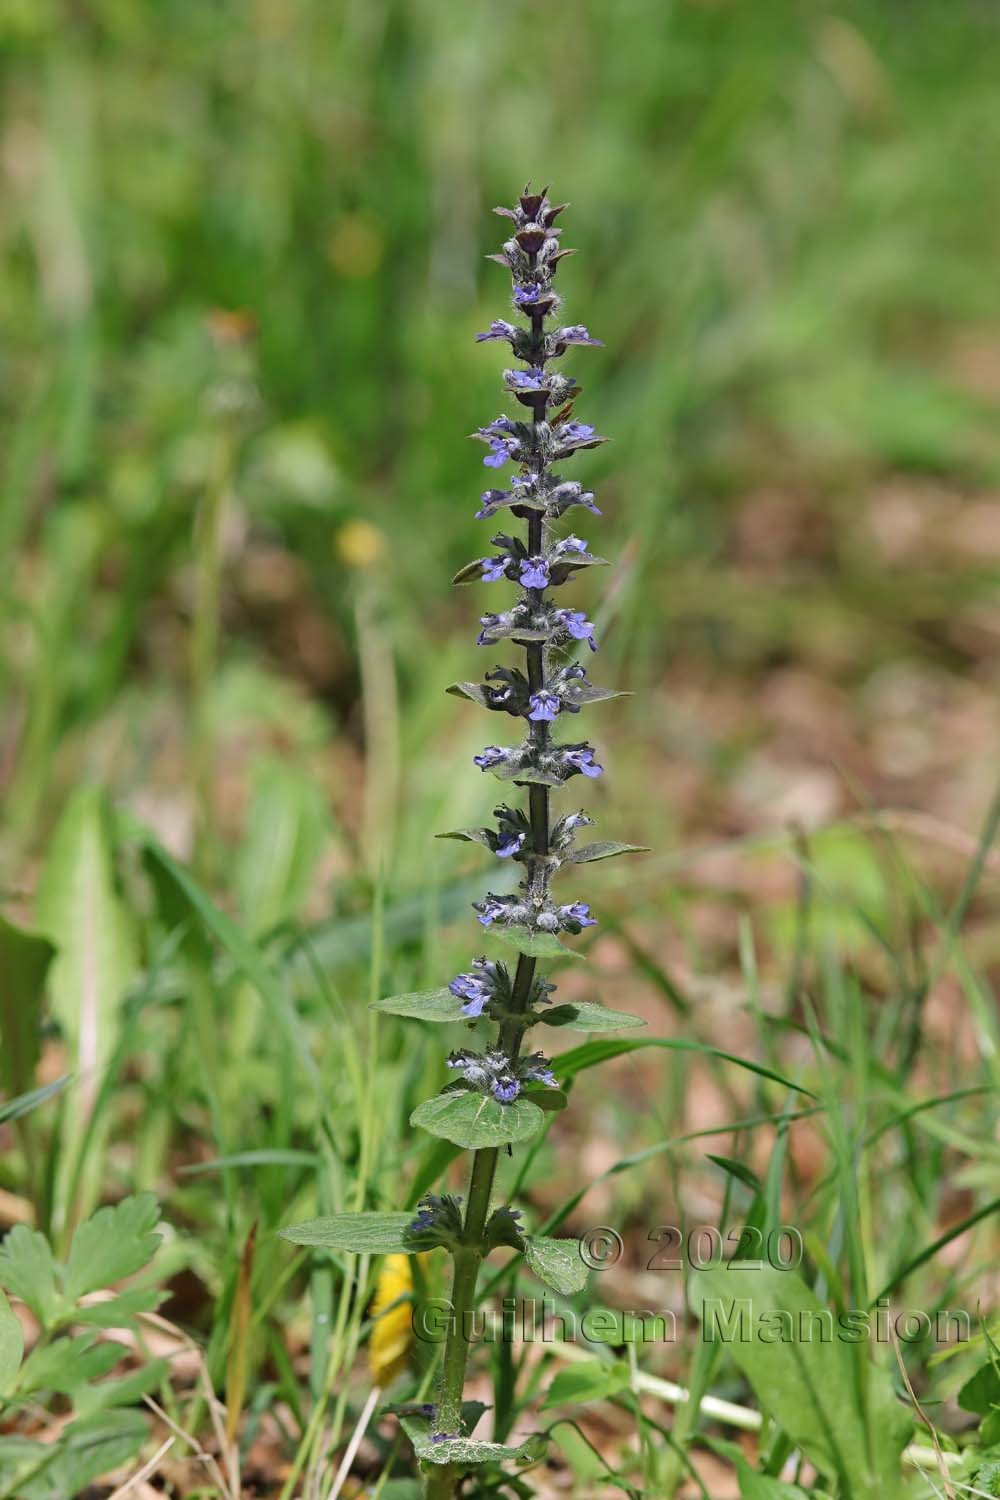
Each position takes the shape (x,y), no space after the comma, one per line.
(468,1257)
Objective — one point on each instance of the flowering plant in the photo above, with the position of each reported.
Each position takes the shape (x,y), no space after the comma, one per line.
(501,1092)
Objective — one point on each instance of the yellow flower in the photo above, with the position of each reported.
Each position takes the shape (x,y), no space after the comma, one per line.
(360,544)
(392,1333)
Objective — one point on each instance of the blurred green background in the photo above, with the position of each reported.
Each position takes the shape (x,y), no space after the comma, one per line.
(260,227)
(241,269)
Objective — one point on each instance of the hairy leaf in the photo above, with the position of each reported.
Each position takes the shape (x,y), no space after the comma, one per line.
(587,1015)
(477,1120)
(587,853)
(422,1005)
(557,1263)
(361,1234)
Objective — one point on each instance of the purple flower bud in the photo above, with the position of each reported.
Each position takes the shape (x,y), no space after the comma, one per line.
(488,910)
(576,334)
(577,625)
(491,756)
(500,330)
(544,707)
(492,501)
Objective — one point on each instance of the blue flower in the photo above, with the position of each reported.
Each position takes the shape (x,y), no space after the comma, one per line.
(509,842)
(577,625)
(583,760)
(494,567)
(502,450)
(506,1089)
(535,573)
(544,707)
(500,330)
(474,991)
(576,334)
(569,544)
(525,380)
(577,915)
(576,432)
(527,296)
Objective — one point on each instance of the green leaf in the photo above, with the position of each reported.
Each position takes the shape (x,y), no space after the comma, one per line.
(589,1054)
(422,1005)
(127,1391)
(79,911)
(981,1392)
(557,1263)
(589,1380)
(245,954)
(13,1109)
(771,1324)
(11,1344)
(463,1450)
(585,692)
(587,1015)
(361,1234)
(121,1311)
(90,1448)
(24,962)
(112,1244)
(474,691)
(531,943)
(67,1363)
(285,833)
(737,1169)
(28,1271)
(587,853)
(477,1120)
(468,836)
(549,1099)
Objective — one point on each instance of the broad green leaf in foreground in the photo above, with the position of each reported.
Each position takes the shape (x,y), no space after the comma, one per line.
(361,1234)
(114,1242)
(557,1263)
(477,1120)
(841,1412)
(28,1271)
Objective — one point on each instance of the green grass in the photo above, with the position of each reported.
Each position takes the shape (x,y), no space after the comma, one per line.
(227,629)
